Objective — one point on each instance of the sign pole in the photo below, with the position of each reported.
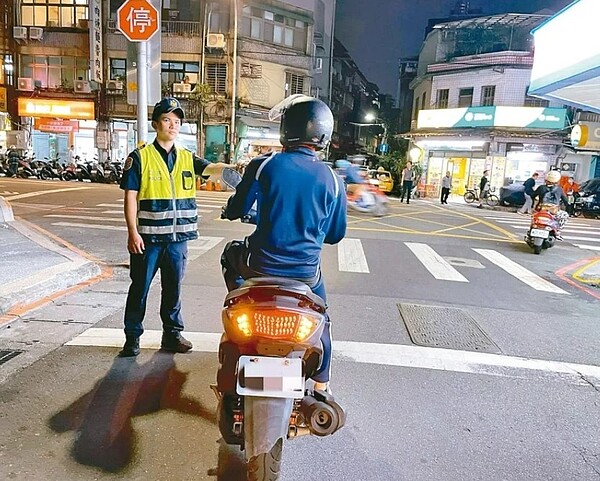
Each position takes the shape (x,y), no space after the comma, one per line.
(142,93)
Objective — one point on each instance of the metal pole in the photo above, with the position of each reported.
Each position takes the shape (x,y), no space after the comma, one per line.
(234,83)
(142,92)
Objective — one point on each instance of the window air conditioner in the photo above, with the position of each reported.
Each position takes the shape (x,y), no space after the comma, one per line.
(25,84)
(215,40)
(181,87)
(20,33)
(82,87)
(36,33)
(113,85)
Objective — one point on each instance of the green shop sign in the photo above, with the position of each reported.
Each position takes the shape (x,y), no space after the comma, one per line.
(517,117)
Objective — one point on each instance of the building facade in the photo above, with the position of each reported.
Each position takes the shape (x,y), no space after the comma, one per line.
(228,62)
(471,108)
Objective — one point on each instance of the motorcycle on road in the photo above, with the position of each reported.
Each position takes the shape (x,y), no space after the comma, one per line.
(368,199)
(544,229)
(270,348)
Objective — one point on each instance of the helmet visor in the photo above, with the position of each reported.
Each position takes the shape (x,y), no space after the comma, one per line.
(278,110)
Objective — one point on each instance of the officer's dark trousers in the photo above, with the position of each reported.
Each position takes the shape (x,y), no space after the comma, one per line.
(235,270)
(170,258)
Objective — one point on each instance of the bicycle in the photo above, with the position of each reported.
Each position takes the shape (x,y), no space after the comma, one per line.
(491,199)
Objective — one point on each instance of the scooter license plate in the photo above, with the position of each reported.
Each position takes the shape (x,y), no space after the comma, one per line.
(270,377)
(539,233)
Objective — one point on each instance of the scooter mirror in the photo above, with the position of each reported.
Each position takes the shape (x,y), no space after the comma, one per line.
(231,177)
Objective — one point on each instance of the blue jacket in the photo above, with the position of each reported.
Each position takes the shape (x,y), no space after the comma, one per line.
(301,204)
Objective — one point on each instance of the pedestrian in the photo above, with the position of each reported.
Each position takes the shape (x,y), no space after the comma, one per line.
(529,185)
(295,221)
(446,185)
(71,155)
(159,180)
(571,190)
(484,188)
(407,182)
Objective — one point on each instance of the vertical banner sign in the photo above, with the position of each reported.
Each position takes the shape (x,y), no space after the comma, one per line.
(3,101)
(154,80)
(95,26)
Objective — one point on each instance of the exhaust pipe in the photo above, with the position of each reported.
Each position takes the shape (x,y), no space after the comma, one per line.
(321,414)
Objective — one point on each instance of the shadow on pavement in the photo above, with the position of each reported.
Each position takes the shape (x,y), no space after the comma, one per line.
(101,419)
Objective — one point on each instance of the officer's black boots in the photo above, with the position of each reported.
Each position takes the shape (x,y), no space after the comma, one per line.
(131,348)
(175,343)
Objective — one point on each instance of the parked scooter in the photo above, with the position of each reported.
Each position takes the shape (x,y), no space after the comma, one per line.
(545,227)
(270,348)
(51,169)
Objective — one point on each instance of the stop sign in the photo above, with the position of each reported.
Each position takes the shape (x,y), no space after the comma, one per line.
(137,20)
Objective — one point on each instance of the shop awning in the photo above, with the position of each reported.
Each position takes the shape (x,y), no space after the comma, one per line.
(566,68)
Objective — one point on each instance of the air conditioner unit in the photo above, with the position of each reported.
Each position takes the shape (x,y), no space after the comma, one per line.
(36,33)
(25,84)
(215,40)
(82,87)
(20,33)
(113,85)
(181,87)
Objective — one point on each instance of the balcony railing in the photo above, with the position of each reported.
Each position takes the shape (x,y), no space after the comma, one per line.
(171,27)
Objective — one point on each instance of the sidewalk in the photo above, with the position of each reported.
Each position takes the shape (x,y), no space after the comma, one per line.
(34,268)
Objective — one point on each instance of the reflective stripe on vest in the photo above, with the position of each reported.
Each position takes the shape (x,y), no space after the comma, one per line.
(167,201)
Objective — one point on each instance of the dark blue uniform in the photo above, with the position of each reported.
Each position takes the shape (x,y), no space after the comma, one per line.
(301,204)
(169,257)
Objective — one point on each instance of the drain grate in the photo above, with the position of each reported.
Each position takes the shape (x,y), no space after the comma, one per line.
(445,327)
(6,356)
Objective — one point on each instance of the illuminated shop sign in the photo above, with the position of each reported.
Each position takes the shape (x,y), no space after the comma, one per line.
(586,135)
(518,117)
(58,109)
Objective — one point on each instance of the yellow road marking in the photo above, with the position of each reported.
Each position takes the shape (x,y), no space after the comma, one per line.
(577,274)
(457,236)
(455,227)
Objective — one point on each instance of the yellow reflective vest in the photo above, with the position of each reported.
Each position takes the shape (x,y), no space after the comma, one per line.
(167,201)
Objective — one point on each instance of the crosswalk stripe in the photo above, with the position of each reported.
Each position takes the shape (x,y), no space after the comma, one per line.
(202,245)
(588,247)
(114,206)
(434,263)
(86,217)
(89,226)
(566,229)
(351,256)
(519,272)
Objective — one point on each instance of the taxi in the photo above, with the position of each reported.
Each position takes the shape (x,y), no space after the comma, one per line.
(386,181)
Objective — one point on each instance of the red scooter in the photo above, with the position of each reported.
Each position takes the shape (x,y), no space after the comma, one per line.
(545,228)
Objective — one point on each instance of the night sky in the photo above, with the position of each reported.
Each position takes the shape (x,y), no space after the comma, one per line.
(379,32)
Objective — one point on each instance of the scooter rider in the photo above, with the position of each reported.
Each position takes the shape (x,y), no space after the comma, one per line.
(301,204)
(549,195)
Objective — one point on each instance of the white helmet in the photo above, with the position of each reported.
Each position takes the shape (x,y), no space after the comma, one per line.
(553,177)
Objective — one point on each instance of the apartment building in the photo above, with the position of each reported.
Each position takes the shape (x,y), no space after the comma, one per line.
(228,62)
(472,111)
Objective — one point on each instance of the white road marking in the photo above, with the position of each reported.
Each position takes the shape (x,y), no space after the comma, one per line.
(202,245)
(43,192)
(213,206)
(351,256)
(591,248)
(400,355)
(518,271)
(576,238)
(434,263)
(86,217)
(113,212)
(114,206)
(89,226)
(566,229)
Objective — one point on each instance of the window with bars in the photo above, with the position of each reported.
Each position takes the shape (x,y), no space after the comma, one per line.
(441,101)
(465,97)
(535,102)
(216,77)
(488,93)
(274,28)
(53,13)
(294,84)
(54,72)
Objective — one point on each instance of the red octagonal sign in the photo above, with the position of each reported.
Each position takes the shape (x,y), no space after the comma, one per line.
(137,20)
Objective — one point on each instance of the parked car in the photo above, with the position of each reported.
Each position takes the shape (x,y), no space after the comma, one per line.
(588,201)
(512,195)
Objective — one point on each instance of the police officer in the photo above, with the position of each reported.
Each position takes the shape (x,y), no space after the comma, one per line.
(159,180)
(301,204)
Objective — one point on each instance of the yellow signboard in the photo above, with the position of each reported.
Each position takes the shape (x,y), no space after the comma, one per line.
(57,109)
(3,100)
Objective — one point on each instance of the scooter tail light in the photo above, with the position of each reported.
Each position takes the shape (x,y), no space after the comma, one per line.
(249,323)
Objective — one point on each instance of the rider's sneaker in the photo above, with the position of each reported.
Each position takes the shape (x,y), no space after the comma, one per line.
(322,386)
(559,237)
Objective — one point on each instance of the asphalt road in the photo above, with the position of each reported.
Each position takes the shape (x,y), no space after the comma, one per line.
(513,395)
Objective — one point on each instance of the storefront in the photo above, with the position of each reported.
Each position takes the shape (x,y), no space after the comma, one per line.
(468,141)
(57,124)
(569,71)
(255,137)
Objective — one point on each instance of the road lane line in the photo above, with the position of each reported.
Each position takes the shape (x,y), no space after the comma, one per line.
(42,192)
(518,271)
(89,226)
(399,355)
(434,263)
(351,256)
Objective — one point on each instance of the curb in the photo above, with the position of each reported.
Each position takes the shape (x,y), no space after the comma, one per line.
(24,294)
(589,273)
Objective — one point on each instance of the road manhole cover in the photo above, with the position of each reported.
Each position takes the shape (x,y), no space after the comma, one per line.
(6,356)
(445,327)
